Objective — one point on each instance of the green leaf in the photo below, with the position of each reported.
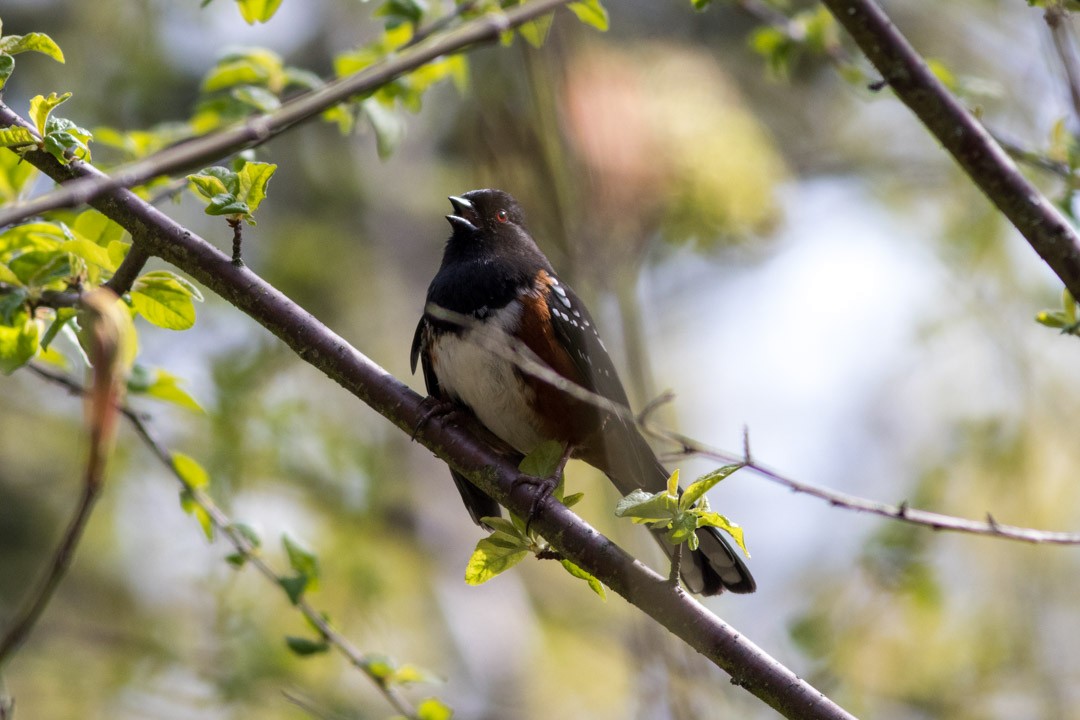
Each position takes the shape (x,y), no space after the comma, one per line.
(6,276)
(701,5)
(39,268)
(717,520)
(63,316)
(257,97)
(7,66)
(504,526)
(705,483)
(16,136)
(160,385)
(543,460)
(258,11)
(942,72)
(16,175)
(535,31)
(409,674)
(648,507)
(252,179)
(213,181)
(302,560)
(118,250)
(227,204)
(388,127)
(572,500)
(13,304)
(306,646)
(41,107)
(380,667)
(398,11)
(92,225)
(192,474)
(165,300)
(31,42)
(248,533)
(32,236)
(63,138)
(433,709)
(18,344)
(596,586)
(591,12)
(681,529)
(193,508)
(294,586)
(491,559)
(673,483)
(91,252)
(1052,318)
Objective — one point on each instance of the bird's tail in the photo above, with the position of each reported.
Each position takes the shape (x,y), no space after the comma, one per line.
(631,464)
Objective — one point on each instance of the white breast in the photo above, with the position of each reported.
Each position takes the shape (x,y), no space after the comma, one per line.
(489,385)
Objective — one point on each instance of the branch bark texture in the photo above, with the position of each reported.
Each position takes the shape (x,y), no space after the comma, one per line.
(964,137)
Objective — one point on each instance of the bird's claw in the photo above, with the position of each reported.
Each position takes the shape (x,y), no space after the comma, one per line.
(545,488)
(439,408)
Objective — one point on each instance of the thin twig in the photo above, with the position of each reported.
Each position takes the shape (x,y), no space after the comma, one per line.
(1057,19)
(676,565)
(241,543)
(104,344)
(28,617)
(1034,159)
(440,24)
(902,512)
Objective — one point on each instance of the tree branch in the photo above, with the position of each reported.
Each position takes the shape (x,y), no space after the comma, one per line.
(1036,217)
(159,235)
(902,512)
(195,153)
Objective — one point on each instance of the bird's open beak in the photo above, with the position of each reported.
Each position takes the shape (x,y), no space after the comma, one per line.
(464,217)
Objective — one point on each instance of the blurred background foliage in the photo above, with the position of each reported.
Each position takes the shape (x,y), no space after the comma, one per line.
(755,229)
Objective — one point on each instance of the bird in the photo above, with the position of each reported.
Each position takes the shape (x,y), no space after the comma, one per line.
(494,275)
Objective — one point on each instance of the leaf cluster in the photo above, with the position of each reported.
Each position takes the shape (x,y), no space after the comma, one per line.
(511,541)
(681,513)
(234,194)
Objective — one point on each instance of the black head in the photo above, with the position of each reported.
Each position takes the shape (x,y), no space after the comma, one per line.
(488,221)
(492,212)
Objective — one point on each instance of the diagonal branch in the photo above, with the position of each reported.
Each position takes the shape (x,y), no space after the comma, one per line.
(1035,216)
(261,128)
(726,647)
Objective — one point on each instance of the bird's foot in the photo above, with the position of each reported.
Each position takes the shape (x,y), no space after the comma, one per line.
(545,487)
(438,408)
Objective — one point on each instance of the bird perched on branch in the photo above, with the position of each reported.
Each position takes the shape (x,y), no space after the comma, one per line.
(494,276)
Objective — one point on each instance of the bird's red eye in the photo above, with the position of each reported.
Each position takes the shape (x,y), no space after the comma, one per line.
(501,216)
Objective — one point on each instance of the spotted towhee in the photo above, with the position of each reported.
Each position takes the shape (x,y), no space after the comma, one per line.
(494,274)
